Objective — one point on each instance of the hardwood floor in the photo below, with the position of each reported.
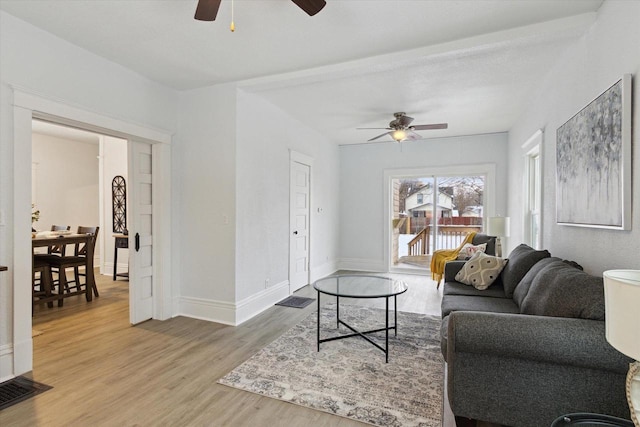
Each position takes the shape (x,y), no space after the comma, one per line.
(104,372)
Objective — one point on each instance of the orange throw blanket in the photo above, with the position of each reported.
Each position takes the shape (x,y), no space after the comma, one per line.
(442,256)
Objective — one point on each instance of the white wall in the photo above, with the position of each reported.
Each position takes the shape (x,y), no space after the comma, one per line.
(608,50)
(362,168)
(265,134)
(233,202)
(66,183)
(114,163)
(204,153)
(38,62)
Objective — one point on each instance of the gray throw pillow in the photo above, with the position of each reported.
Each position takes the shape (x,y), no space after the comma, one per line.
(560,290)
(523,287)
(521,259)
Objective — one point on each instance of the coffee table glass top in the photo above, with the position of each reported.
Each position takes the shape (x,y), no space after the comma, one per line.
(360,286)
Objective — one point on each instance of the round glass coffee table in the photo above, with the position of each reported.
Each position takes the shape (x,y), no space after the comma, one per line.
(361,286)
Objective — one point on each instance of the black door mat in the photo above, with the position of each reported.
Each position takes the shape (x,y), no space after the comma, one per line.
(296,302)
(18,389)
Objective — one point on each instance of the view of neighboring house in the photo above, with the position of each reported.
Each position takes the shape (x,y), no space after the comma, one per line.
(420,203)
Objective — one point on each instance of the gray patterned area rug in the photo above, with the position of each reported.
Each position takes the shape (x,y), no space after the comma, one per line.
(349,377)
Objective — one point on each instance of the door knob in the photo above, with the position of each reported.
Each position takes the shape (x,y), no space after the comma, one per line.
(295,232)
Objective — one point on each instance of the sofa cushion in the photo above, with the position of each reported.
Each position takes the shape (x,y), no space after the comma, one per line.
(456,288)
(481,270)
(452,303)
(522,289)
(561,290)
(521,259)
(479,239)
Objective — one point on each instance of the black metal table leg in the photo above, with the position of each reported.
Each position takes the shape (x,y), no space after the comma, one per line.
(395,314)
(337,312)
(386,318)
(318,320)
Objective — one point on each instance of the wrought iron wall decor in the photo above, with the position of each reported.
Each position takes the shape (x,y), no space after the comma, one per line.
(119,202)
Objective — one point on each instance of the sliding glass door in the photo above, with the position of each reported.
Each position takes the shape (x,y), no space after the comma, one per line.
(431,212)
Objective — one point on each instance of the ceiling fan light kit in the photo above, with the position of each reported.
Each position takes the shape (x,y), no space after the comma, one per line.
(400,128)
(399,135)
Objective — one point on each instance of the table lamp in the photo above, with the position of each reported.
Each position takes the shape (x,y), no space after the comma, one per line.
(622,312)
(498,226)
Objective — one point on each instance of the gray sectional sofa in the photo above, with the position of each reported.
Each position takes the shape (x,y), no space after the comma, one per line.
(532,346)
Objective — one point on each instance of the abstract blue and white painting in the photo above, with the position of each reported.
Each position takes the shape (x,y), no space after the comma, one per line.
(590,161)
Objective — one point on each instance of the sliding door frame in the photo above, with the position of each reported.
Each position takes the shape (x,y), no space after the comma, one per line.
(488,170)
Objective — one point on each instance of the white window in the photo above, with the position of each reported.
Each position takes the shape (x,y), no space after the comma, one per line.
(532,232)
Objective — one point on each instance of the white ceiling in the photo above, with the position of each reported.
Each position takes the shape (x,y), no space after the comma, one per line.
(64,132)
(472,64)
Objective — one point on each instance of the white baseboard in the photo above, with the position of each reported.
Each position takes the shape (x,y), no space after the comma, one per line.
(358,264)
(326,269)
(257,303)
(6,362)
(108,268)
(204,309)
(229,313)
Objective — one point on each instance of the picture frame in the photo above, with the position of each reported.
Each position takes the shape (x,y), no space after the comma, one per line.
(593,162)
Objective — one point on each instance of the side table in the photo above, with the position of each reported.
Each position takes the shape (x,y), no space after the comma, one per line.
(122,242)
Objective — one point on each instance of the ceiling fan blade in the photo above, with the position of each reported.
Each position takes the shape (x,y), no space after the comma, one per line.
(430,127)
(412,136)
(311,7)
(373,128)
(207,10)
(379,136)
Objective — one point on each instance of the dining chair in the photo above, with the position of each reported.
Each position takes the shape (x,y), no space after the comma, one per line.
(60,265)
(57,250)
(41,282)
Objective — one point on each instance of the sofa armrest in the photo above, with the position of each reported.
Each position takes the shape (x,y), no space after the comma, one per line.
(451,268)
(555,340)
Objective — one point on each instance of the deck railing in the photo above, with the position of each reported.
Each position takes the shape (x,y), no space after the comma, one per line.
(419,245)
(449,237)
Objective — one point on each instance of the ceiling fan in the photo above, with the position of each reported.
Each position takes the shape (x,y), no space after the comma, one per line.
(207,10)
(400,129)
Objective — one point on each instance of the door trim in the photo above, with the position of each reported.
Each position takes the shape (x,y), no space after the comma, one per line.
(27,106)
(295,156)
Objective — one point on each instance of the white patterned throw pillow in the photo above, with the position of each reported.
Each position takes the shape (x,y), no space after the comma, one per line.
(481,270)
(469,249)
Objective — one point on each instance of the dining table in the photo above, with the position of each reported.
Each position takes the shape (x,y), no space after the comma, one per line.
(55,238)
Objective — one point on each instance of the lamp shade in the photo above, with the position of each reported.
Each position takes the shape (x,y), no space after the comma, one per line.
(498,226)
(622,310)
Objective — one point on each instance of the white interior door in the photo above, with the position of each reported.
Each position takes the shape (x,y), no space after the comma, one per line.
(299,200)
(140,233)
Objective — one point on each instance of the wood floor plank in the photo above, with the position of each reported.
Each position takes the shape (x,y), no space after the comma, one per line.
(107,373)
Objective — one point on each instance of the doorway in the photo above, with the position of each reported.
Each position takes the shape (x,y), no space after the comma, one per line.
(81,192)
(299,220)
(26,107)
(433,208)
